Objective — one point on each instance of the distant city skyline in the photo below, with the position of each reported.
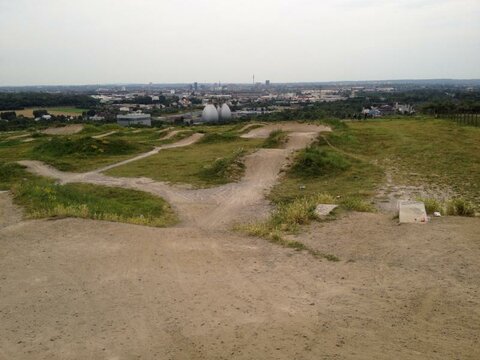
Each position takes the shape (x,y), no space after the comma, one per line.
(55,42)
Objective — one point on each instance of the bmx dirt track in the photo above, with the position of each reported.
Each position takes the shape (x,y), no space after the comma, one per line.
(81,289)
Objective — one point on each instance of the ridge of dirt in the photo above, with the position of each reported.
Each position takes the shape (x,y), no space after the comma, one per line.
(65,130)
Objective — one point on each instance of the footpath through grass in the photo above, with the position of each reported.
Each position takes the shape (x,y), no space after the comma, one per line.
(416,151)
(43,198)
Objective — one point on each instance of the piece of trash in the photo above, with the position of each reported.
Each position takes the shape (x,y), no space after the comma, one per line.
(302,187)
(437,214)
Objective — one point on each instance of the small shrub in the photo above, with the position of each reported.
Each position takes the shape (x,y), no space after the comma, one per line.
(460,207)
(314,161)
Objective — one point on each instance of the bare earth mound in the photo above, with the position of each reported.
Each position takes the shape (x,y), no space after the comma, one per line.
(86,289)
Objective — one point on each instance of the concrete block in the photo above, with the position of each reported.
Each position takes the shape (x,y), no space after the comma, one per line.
(412,212)
(324,209)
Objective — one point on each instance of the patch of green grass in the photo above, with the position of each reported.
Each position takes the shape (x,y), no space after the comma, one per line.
(452,207)
(201,165)
(357,180)
(416,151)
(460,207)
(219,138)
(83,147)
(84,153)
(420,150)
(43,198)
(317,161)
(10,174)
(356,204)
(275,139)
(432,205)
(230,167)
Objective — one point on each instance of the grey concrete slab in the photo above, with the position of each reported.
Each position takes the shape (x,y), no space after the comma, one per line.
(412,212)
(324,209)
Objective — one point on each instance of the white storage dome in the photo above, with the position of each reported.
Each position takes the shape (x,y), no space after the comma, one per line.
(210,114)
(225,113)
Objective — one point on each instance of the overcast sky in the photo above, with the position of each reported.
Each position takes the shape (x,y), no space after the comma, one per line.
(162,41)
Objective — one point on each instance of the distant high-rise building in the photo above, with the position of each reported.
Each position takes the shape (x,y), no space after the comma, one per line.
(195,86)
(267,82)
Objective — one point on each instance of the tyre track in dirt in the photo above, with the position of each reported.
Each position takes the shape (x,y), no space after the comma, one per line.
(215,207)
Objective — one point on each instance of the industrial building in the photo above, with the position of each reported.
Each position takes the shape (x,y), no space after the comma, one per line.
(134,119)
(216,114)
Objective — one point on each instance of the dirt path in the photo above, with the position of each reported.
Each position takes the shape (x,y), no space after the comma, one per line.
(184,142)
(65,130)
(207,208)
(80,289)
(101,136)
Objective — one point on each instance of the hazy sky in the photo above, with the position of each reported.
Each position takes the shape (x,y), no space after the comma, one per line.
(160,41)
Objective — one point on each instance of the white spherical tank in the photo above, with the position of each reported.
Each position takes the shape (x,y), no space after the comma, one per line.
(225,113)
(210,114)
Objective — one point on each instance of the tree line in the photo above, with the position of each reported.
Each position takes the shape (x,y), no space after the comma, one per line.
(21,100)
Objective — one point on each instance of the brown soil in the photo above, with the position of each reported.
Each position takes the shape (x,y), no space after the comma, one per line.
(75,289)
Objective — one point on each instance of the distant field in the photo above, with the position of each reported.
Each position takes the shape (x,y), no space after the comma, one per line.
(67,111)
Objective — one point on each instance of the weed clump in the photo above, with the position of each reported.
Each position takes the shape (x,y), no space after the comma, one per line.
(432,205)
(314,161)
(460,207)
(452,207)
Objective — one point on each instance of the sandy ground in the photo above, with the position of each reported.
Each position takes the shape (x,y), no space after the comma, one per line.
(101,136)
(76,289)
(65,130)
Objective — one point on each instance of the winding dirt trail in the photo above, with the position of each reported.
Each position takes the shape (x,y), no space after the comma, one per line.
(213,208)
